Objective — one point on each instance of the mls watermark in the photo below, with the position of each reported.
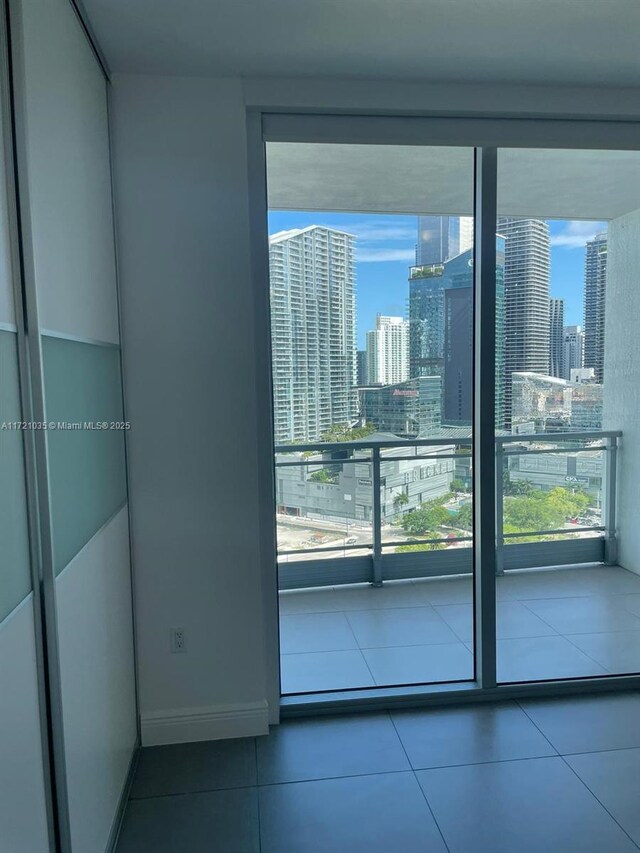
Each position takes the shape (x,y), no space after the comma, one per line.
(66,426)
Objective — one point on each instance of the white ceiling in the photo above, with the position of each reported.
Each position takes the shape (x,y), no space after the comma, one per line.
(572,42)
(550,184)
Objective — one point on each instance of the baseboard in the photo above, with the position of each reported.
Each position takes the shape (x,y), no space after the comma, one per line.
(122,802)
(213,722)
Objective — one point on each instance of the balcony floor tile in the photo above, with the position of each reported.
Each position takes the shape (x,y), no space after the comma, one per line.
(589,614)
(617,652)
(315,632)
(552,623)
(420,664)
(543,659)
(409,626)
(513,619)
(305,673)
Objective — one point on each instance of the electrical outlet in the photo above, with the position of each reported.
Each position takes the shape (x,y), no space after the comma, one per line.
(178,640)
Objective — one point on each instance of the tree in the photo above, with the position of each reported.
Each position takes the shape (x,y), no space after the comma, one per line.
(423,546)
(464,518)
(427,518)
(516,487)
(401,499)
(322,475)
(343,432)
(458,486)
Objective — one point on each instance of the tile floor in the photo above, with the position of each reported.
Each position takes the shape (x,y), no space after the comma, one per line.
(555,775)
(551,623)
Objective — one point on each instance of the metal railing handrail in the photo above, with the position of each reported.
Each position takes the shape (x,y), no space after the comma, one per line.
(590,435)
(363,444)
(608,447)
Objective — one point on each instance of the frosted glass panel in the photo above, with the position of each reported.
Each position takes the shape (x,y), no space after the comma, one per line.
(86,466)
(15,576)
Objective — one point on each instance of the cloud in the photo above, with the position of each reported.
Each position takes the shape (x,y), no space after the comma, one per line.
(371,255)
(576,234)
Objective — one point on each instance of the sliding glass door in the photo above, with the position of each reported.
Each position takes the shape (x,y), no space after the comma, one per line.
(371,251)
(450,499)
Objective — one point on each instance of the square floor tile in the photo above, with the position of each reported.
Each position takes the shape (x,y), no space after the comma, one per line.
(542,659)
(446,590)
(321,600)
(315,632)
(324,671)
(407,626)
(362,814)
(420,664)
(367,597)
(469,735)
(618,652)
(189,767)
(513,619)
(614,778)
(585,615)
(588,723)
(616,580)
(631,603)
(558,582)
(520,807)
(327,747)
(192,823)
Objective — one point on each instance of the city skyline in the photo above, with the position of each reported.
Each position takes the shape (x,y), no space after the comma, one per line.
(386,248)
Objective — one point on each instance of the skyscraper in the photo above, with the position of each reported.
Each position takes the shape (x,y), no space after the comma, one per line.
(441,238)
(556,337)
(573,349)
(441,331)
(595,282)
(313,321)
(526,299)
(361,367)
(388,351)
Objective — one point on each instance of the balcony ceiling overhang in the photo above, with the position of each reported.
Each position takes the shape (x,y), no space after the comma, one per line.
(551,184)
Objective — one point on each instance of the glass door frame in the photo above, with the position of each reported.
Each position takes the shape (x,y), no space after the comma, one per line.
(486,136)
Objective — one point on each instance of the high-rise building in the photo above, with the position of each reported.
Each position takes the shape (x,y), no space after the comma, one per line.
(388,351)
(548,404)
(556,337)
(406,409)
(361,367)
(595,282)
(441,331)
(313,323)
(441,238)
(526,300)
(573,350)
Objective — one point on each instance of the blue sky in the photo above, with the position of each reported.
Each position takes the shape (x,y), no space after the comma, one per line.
(386,248)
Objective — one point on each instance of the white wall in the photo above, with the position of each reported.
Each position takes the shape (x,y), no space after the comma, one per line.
(622,375)
(183,247)
(184,250)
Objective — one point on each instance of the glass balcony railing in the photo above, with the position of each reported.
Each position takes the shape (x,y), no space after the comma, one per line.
(370,511)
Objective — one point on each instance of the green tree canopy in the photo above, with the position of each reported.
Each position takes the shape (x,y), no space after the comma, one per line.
(427,518)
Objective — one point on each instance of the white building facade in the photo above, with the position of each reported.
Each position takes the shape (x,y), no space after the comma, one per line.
(388,351)
(313,331)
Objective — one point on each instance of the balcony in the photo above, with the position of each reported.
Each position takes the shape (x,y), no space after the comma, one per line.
(365,602)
